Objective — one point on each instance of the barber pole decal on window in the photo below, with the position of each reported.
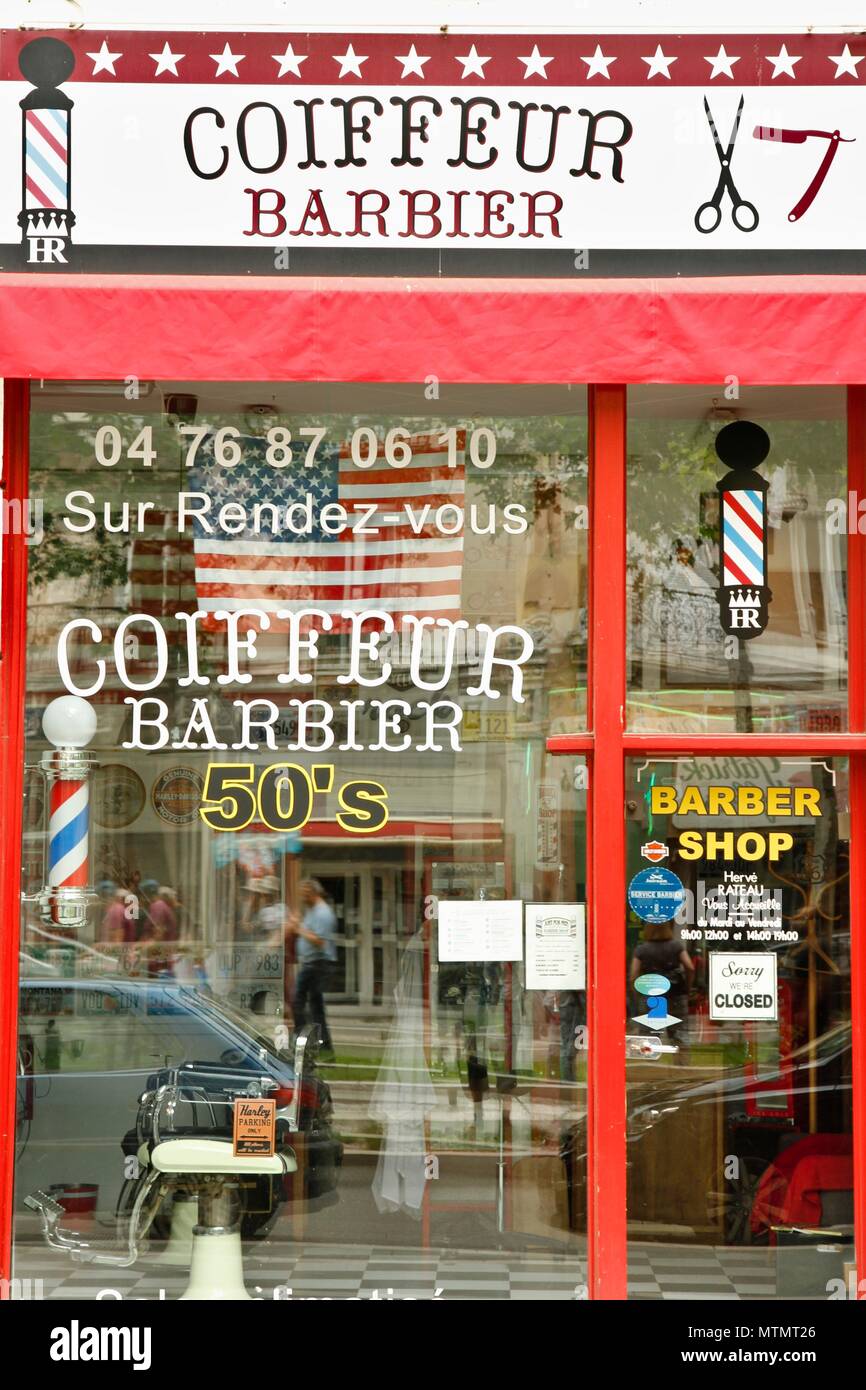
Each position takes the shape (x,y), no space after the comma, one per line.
(743,523)
(744,595)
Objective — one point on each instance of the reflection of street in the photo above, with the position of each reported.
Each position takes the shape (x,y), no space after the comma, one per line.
(456,1120)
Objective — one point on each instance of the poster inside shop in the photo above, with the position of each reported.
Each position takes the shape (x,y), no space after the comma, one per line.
(273,144)
(555,946)
(481,931)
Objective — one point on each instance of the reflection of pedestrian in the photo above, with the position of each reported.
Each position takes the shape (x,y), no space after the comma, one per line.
(163,914)
(266,919)
(662,953)
(316,952)
(118,928)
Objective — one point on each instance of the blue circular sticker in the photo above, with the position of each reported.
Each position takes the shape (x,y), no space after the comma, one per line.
(652,984)
(656,895)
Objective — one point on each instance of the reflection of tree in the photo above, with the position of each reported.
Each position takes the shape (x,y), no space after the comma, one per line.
(63,456)
(98,557)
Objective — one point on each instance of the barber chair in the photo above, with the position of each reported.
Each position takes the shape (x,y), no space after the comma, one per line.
(184,1147)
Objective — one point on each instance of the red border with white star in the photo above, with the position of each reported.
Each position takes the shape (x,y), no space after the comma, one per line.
(454,60)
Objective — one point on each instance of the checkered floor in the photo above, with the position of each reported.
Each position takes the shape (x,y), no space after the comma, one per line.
(310,1271)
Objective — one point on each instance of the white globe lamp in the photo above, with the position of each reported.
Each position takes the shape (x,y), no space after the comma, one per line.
(69,722)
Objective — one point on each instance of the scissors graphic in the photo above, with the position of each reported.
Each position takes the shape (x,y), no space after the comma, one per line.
(740,209)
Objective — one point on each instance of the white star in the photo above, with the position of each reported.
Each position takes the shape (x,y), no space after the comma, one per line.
(290,61)
(722,64)
(166,61)
(535,65)
(103,61)
(350,61)
(412,62)
(227,61)
(598,64)
(659,65)
(472,63)
(783,63)
(845,62)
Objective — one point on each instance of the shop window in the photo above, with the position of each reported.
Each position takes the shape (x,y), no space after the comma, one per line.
(687,669)
(443,1084)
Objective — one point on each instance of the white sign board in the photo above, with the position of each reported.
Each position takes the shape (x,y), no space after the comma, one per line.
(480,931)
(279,142)
(743,986)
(555,946)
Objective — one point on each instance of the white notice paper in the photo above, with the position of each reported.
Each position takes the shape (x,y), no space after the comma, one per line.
(480,930)
(555,946)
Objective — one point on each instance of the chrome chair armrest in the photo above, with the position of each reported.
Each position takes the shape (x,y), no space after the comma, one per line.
(85,1251)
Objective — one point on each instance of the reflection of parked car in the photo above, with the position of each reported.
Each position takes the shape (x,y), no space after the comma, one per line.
(681,1115)
(88,1049)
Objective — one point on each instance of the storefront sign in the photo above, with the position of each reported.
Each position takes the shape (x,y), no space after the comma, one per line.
(733,791)
(555,946)
(480,931)
(743,811)
(351,142)
(743,986)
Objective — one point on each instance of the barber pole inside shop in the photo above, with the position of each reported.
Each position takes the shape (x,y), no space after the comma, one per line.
(432,657)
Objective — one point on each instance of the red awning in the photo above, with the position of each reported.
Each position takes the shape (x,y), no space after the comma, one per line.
(761,329)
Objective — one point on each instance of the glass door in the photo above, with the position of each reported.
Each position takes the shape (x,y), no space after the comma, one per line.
(739,1118)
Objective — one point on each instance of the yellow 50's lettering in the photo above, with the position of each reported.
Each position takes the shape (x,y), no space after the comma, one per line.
(228,786)
(282,797)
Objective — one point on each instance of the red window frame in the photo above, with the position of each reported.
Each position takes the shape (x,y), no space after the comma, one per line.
(799,330)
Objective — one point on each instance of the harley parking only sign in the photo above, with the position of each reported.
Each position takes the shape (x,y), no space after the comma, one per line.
(255,1126)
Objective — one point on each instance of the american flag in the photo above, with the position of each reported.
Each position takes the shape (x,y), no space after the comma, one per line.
(394,559)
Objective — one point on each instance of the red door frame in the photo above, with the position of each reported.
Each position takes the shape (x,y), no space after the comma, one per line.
(13,625)
(74,327)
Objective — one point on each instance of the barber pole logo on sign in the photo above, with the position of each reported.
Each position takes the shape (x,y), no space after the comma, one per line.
(46,218)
